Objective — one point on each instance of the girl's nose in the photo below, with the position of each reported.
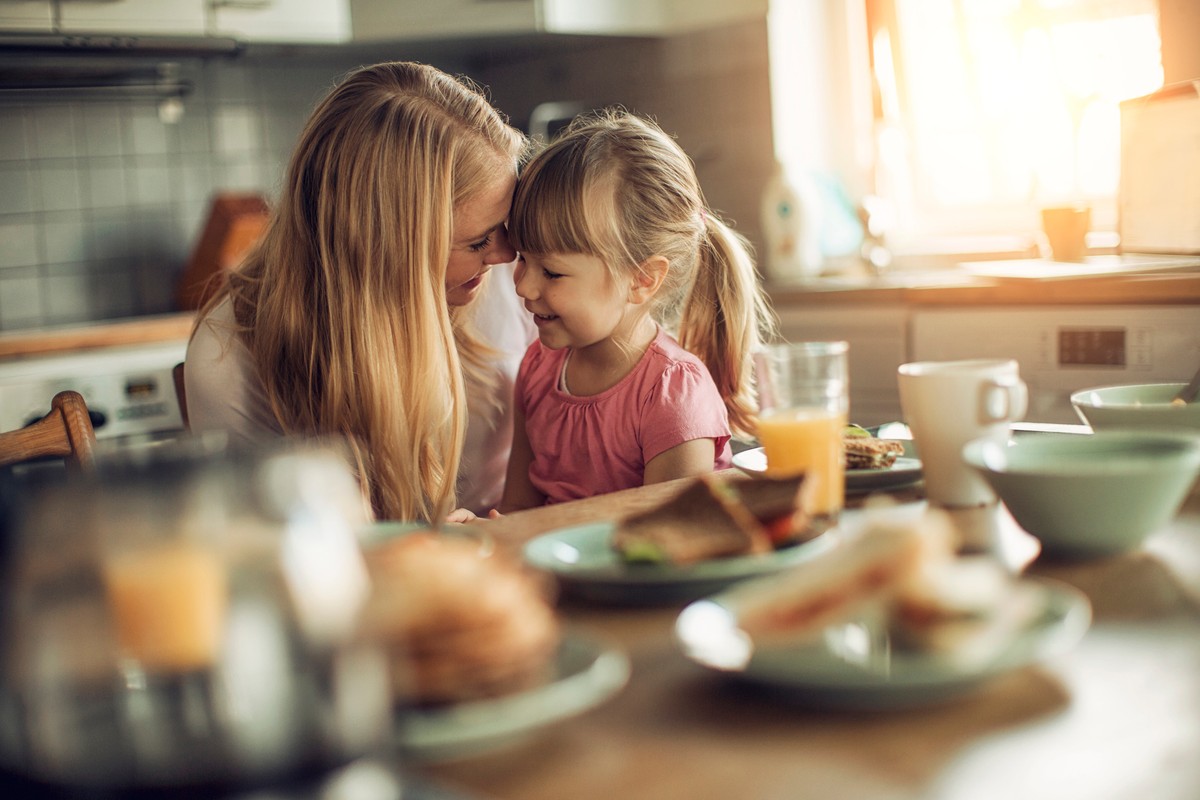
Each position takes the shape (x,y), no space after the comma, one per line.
(501,251)
(526,286)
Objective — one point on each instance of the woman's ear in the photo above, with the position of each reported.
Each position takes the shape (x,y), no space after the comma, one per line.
(648,278)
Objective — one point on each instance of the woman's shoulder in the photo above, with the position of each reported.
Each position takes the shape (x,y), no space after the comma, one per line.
(216,320)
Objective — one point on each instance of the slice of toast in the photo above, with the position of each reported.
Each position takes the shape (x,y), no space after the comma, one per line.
(709,519)
(867,452)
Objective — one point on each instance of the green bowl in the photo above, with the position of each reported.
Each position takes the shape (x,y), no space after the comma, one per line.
(1089,495)
(1145,406)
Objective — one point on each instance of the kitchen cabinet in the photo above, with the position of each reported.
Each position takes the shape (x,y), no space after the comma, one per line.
(26,15)
(417,19)
(1064,349)
(132,17)
(283,21)
(1066,334)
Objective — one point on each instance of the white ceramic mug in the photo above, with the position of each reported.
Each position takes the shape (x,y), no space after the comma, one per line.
(949,403)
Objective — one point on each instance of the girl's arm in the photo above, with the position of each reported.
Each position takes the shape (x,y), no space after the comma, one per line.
(685,460)
(518,489)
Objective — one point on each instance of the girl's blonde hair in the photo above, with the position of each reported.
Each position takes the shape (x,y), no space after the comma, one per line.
(616,187)
(343,302)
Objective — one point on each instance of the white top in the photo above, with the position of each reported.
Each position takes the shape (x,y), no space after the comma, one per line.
(224,393)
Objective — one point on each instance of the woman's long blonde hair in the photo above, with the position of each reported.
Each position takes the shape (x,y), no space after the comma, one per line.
(343,302)
(615,186)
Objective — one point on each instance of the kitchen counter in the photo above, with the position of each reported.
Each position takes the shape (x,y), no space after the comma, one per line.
(945,287)
(133,331)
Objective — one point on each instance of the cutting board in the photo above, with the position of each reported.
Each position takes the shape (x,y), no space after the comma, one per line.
(234,225)
(1025,269)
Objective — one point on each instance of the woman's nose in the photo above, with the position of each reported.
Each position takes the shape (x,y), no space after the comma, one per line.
(501,251)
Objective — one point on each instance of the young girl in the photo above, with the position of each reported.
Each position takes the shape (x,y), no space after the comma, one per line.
(618,249)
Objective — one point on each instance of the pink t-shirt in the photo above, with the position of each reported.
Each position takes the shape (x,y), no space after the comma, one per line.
(584,446)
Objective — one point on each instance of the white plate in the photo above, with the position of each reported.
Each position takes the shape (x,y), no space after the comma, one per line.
(586,672)
(851,668)
(584,561)
(905,472)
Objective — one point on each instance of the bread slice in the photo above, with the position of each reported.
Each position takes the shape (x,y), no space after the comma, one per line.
(711,518)
(867,452)
(831,587)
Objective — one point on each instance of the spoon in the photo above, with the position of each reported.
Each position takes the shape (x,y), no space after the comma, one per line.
(1188,393)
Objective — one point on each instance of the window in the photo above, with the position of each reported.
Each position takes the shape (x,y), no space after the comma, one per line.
(987,110)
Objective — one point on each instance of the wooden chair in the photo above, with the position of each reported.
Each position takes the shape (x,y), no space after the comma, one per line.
(66,431)
(180,392)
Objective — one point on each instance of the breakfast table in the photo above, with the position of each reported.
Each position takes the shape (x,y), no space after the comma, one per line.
(1117,715)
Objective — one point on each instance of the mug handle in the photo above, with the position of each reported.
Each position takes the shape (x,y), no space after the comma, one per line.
(1002,401)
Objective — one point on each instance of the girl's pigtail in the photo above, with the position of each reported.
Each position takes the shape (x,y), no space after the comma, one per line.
(725,317)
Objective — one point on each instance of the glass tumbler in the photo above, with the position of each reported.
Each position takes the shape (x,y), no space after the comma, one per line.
(803,408)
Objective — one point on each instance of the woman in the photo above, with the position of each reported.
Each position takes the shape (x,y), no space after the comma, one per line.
(352,314)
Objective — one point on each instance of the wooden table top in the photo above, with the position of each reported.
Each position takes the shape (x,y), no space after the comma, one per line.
(1118,716)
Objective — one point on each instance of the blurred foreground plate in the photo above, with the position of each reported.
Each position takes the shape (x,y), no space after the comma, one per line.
(584,561)
(585,673)
(852,667)
(905,472)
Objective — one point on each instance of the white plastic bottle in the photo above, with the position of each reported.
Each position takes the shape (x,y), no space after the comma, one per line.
(791,222)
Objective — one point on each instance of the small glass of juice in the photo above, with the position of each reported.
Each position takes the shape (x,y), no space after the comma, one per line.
(803,403)
(168,601)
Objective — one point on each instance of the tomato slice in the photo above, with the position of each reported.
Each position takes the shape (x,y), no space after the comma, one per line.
(780,530)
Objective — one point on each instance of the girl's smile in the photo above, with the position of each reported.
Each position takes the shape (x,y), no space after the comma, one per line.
(572,297)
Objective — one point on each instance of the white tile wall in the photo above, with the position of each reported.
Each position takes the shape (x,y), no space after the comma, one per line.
(101,202)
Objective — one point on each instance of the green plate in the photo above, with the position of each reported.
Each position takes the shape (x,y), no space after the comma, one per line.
(586,672)
(850,667)
(587,567)
(905,472)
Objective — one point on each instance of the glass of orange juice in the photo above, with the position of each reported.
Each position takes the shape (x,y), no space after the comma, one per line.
(803,409)
(168,601)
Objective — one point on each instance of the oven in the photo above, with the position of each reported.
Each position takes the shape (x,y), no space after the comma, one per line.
(129,390)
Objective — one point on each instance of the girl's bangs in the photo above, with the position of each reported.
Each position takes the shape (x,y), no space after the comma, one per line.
(548,213)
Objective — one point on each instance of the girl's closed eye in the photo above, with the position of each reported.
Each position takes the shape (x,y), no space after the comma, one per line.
(551,275)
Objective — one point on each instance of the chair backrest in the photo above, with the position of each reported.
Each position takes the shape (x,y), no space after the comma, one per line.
(66,432)
(180,392)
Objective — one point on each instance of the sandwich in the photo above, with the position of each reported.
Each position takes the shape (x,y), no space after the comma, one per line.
(902,577)
(864,451)
(864,572)
(715,518)
(965,609)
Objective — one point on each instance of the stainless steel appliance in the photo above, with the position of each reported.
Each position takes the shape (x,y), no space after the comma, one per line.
(128,389)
